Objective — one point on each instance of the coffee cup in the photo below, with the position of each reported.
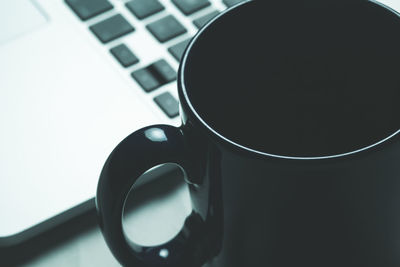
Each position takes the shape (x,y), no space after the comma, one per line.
(289,140)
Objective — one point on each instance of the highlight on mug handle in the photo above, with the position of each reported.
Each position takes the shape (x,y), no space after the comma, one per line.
(137,153)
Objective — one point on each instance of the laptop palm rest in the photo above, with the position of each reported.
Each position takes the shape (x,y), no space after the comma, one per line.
(62,111)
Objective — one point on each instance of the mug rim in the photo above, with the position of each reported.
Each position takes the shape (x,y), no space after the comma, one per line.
(183,95)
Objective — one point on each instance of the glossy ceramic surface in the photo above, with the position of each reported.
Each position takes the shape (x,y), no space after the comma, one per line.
(251,208)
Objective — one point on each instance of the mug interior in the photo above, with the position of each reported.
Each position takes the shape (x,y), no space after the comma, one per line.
(298,79)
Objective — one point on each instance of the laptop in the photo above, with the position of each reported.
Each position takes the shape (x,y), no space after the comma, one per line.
(76,77)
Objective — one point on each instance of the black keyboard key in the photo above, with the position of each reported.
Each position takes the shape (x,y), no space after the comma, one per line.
(166,28)
(163,71)
(111,28)
(168,104)
(146,79)
(87,9)
(154,75)
(230,3)
(124,55)
(190,6)
(178,49)
(144,8)
(200,22)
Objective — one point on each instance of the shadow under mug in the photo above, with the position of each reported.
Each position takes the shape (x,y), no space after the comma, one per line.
(289,140)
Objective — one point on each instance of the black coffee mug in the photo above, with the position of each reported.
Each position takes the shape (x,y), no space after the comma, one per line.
(289,139)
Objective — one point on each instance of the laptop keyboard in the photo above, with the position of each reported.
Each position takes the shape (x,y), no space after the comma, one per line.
(87,9)
(178,49)
(124,55)
(144,8)
(200,22)
(111,28)
(164,29)
(188,7)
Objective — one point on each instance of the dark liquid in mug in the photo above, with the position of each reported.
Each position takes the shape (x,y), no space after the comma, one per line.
(300,85)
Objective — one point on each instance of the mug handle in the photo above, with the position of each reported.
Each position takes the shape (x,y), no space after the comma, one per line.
(137,153)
